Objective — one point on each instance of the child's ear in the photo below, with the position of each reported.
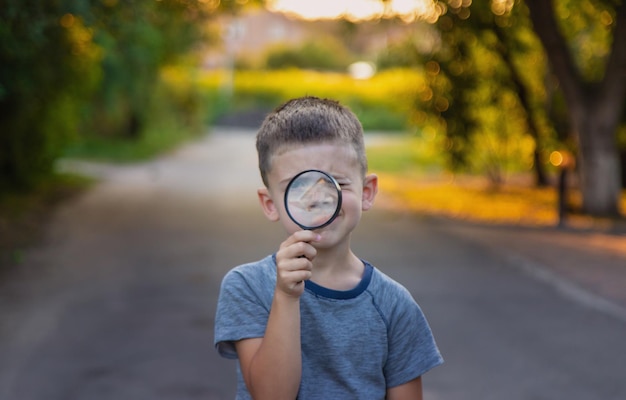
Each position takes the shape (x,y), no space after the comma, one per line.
(370,189)
(267,204)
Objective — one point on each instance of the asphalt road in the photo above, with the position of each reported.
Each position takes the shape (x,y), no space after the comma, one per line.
(117,302)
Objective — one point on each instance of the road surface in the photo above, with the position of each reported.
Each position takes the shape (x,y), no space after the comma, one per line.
(117,302)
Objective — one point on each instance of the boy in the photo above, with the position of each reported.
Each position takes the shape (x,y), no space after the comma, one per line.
(313,320)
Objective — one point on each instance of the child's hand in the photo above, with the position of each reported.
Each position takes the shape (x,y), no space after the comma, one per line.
(294,262)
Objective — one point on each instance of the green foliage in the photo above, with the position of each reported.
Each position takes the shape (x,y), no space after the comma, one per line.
(73,68)
(588,26)
(49,68)
(452,75)
(494,43)
(487,90)
(322,53)
(178,112)
(403,54)
(138,38)
(381,102)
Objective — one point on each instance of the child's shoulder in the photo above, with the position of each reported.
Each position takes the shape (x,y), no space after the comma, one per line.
(384,283)
(260,271)
(388,292)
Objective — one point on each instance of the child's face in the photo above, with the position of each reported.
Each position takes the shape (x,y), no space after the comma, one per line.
(337,159)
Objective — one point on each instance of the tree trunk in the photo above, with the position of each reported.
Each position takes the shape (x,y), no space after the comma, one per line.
(594,109)
(541,178)
(623,160)
(600,170)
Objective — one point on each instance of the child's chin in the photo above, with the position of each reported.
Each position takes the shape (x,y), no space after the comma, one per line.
(327,240)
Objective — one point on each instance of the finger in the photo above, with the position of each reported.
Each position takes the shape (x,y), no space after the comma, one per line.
(301,236)
(291,278)
(292,282)
(292,249)
(300,263)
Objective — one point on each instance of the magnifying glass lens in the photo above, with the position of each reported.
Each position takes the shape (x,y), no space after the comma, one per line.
(313,199)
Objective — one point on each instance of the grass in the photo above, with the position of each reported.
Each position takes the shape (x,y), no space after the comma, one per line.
(123,150)
(399,153)
(160,136)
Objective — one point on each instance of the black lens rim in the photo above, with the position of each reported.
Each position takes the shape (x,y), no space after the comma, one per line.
(339,199)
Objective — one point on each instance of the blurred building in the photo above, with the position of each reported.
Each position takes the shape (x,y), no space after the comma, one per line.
(249,34)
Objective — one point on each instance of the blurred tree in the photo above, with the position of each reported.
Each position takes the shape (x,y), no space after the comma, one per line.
(323,53)
(491,65)
(581,94)
(584,43)
(84,64)
(138,38)
(49,67)
(402,54)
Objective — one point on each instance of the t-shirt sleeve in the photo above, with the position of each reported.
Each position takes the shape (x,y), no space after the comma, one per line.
(412,347)
(242,311)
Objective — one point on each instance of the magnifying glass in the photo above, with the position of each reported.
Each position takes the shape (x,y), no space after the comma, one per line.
(313,199)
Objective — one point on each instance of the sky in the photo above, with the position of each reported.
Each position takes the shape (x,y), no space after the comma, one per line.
(408,10)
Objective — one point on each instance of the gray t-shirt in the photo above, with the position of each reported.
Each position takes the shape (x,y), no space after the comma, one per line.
(355,343)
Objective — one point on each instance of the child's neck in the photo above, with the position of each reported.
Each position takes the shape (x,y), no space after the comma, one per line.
(337,269)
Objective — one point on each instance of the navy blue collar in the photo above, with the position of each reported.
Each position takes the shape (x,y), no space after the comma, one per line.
(341,294)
